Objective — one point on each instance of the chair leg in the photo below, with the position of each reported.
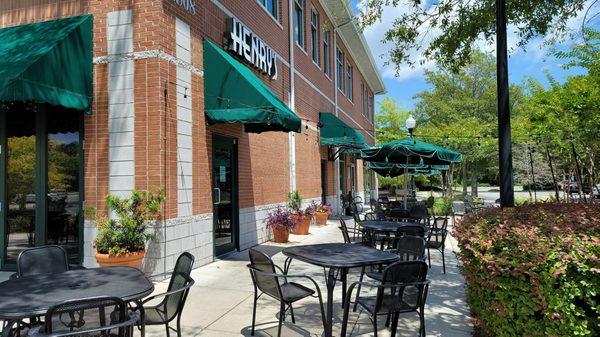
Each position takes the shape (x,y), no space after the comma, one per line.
(395,318)
(429,257)
(344,285)
(292,314)
(362,274)
(443,260)
(179,325)
(422,318)
(281,314)
(375,325)
(254,314)
(168,332)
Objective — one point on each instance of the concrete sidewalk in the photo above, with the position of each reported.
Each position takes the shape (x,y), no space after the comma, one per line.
(220,304)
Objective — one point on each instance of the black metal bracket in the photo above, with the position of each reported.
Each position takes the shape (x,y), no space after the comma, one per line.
(335,155)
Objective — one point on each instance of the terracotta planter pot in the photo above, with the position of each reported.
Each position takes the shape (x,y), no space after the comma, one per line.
(321,218)
(125,260)
(280,234)
(303,225)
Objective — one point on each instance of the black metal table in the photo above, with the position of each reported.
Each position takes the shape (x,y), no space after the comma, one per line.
(33,296)
(383,226)
(336,259)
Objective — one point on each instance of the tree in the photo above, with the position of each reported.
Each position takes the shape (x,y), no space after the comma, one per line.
(448,30)
(390,121)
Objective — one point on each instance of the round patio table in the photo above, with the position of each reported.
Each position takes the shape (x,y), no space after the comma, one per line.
(336,259)
(32,296)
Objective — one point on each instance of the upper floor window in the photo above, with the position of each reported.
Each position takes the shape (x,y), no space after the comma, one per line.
(340,68)
(371,107)
(271,7)
(363,101)
(299,22)
(349,80)
(314,35)
(326,53)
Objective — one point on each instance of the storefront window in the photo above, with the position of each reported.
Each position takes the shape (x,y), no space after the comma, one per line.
(350,79)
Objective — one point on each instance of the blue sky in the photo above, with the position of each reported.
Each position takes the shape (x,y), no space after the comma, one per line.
(535,61)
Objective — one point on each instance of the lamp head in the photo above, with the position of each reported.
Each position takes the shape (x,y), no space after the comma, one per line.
(411,123)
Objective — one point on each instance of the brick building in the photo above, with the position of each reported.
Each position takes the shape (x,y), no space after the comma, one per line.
(154,120)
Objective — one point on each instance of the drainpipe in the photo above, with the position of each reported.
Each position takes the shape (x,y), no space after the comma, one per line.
(292,136)
(336,165)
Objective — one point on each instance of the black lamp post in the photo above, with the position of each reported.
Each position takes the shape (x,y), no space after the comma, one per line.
(507,195)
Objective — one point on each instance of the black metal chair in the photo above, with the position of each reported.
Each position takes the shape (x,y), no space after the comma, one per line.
(267,281)
(408,248)
(403,289)
(437,239)
(98,317)
(173,301)
(412,230)
(49,259)
(351,235)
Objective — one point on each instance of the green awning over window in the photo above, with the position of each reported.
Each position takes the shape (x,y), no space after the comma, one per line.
(335,132)
(48,62)
(234,94)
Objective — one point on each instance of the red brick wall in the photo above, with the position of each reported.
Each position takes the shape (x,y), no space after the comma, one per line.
(263,159)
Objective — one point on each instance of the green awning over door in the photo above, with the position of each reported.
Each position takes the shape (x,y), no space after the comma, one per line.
(48,62)
(234,94)
(335,132)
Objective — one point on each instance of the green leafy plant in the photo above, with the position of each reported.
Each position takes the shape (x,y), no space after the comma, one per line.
(294,201)
(128,233)
(533,270)
(442,206)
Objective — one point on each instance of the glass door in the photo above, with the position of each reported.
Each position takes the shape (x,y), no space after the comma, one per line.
(40,179)
(225,195)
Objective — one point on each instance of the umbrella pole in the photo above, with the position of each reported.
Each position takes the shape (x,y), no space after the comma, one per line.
(406,185)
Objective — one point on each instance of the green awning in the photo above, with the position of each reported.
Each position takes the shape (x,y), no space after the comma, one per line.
(334,132)
(234,94)
(48,62)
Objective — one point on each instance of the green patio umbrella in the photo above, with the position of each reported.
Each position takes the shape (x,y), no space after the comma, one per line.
(411,151)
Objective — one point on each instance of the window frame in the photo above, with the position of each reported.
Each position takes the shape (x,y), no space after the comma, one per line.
(327,52)
(315,37)
(349,81)
(299,33)
(340,66)
(275,8)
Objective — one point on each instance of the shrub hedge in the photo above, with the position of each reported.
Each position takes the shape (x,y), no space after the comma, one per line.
(533,270)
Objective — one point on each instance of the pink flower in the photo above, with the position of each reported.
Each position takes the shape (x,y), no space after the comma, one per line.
(555,315)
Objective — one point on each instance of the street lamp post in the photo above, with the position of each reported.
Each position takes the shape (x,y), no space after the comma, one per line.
(507,195)
(411,123)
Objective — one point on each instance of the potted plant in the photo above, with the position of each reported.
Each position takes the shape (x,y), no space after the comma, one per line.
(322,213)
(122,241)
(280,222)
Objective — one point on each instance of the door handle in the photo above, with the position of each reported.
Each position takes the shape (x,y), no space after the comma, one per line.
(217,195)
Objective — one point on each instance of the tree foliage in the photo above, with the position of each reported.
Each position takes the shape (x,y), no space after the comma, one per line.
(447,31)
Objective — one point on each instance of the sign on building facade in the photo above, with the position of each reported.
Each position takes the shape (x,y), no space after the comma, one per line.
(250,48)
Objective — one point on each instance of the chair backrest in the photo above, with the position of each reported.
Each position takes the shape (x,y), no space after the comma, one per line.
(344,230)
(412,230)
(440,221)
(430,202)
(178,291)
(355,213)
(260,262)
(437,235)
(402,275)
(49,259)
(86,315)
(184,264)
(419,211)
(411,248)
(370,216)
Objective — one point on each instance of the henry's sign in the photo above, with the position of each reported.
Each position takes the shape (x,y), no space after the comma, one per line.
(188,5)
(250,48)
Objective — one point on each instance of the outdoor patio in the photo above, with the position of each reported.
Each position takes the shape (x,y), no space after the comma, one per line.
(220,303)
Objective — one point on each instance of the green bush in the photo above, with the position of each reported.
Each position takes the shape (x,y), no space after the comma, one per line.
(442,206)
(294,201)
(533,270)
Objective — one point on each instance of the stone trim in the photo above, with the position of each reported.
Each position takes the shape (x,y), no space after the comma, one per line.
(148,54)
